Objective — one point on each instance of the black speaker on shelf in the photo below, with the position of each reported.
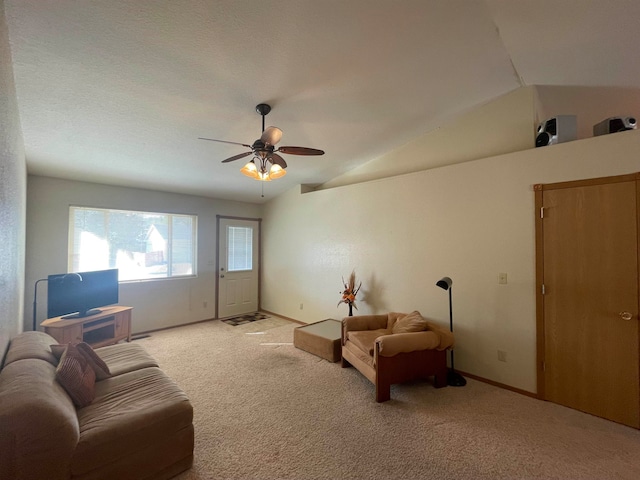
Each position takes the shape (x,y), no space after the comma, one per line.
(613,125)
(558,129)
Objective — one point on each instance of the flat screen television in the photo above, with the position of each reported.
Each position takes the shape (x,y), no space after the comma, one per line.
(81,294)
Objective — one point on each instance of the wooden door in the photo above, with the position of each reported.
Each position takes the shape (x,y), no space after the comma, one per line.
(588,280)
(238,266)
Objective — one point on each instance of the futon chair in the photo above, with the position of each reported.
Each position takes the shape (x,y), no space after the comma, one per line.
(395,348)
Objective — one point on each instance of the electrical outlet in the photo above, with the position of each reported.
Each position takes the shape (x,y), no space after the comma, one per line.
(301,306)
(502,356)
(204,304)
(502,278)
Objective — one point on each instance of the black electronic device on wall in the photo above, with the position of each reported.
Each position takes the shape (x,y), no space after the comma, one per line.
(613,125)
(558,129)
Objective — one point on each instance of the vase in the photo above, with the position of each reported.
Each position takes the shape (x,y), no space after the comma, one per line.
(351,310)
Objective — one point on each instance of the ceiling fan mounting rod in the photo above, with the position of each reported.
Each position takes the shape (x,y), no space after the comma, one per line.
(263,109)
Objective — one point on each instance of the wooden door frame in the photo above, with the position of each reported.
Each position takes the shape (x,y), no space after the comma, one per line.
(539,189)
(248,219)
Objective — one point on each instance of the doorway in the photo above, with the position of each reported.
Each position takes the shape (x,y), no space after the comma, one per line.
(587,299)
(238,266)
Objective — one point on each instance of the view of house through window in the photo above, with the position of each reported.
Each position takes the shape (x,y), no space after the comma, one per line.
(141,245)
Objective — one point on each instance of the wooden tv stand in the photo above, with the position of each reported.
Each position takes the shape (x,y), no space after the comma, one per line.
(109,326)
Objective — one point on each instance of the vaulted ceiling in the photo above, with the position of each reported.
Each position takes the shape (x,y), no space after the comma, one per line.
(118,91)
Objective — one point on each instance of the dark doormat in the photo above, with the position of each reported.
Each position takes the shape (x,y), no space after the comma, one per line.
(243,319)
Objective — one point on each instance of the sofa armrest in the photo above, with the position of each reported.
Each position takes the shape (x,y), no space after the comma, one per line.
(446,336)
(390,345)
(39,428)
(362,322)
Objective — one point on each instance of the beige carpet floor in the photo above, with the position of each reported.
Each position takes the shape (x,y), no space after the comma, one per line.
(266,410)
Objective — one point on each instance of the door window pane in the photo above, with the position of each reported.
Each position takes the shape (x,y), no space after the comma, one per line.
(239,248)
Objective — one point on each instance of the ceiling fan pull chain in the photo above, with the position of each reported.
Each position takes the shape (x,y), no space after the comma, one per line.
(262,183)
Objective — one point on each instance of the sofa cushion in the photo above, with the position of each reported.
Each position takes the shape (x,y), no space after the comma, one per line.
(365,339)
(76,376)
(129,412)
(413,322)
(31,345)
(125,357)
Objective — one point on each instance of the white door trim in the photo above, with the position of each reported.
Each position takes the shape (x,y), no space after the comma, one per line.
(218,261)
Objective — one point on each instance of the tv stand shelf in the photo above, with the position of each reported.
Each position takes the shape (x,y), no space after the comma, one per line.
(109,326)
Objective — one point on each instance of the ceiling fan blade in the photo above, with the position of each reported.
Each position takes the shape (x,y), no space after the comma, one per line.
(271,135)
(278,160)
(224,141)
(300,151)
(237,157)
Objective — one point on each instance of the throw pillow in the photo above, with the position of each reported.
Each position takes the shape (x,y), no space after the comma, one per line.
(413,322)
(98,365)
(76,376)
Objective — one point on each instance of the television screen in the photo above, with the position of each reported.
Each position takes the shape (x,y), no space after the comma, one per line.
(81,293)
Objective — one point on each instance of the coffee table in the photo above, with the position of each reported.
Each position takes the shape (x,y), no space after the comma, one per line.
(320,338)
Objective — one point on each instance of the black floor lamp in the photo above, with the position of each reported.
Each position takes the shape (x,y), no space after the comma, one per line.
(453,378)
(35,298)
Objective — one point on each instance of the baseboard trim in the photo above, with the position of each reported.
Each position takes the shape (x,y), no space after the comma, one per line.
(283,317)
(136,334)
(500,385)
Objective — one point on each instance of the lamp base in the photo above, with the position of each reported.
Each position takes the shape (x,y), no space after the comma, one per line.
(454,379)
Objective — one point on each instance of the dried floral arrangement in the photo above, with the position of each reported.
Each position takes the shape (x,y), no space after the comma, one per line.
(349,292)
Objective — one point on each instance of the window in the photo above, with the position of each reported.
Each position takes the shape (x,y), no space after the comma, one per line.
(141,245)
(239,248)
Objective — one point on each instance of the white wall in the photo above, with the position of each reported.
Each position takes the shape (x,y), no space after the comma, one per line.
(469,221)
(503,125)
(13,183)
(158,303)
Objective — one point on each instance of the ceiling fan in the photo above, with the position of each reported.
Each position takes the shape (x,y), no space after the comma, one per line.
(266,164)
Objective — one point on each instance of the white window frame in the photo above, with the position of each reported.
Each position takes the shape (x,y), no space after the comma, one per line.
(170,274)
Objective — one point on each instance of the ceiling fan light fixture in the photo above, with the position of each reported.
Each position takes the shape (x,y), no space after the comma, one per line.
(276,171)
(266,164)
(263,173)
(250,170)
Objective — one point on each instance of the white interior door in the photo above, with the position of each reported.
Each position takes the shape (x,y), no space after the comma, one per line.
(238,266)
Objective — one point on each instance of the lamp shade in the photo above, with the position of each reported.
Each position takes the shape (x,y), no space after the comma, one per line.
(276,172)
(250,170)
(445,283)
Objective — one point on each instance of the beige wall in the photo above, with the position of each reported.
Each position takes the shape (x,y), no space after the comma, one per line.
(13,179)
(158,303)
(503,125)
(469,221)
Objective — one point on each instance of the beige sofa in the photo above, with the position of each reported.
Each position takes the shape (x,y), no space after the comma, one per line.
(386,352)
(139,426)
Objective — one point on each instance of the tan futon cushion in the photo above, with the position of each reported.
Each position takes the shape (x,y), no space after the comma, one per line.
(365,339)
(130,412)
(413,322)
(125,357)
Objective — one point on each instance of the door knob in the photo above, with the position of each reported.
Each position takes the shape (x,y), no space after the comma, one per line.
(626,315)
(221,276)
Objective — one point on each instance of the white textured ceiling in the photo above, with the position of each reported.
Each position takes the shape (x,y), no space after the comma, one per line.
(118,91)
